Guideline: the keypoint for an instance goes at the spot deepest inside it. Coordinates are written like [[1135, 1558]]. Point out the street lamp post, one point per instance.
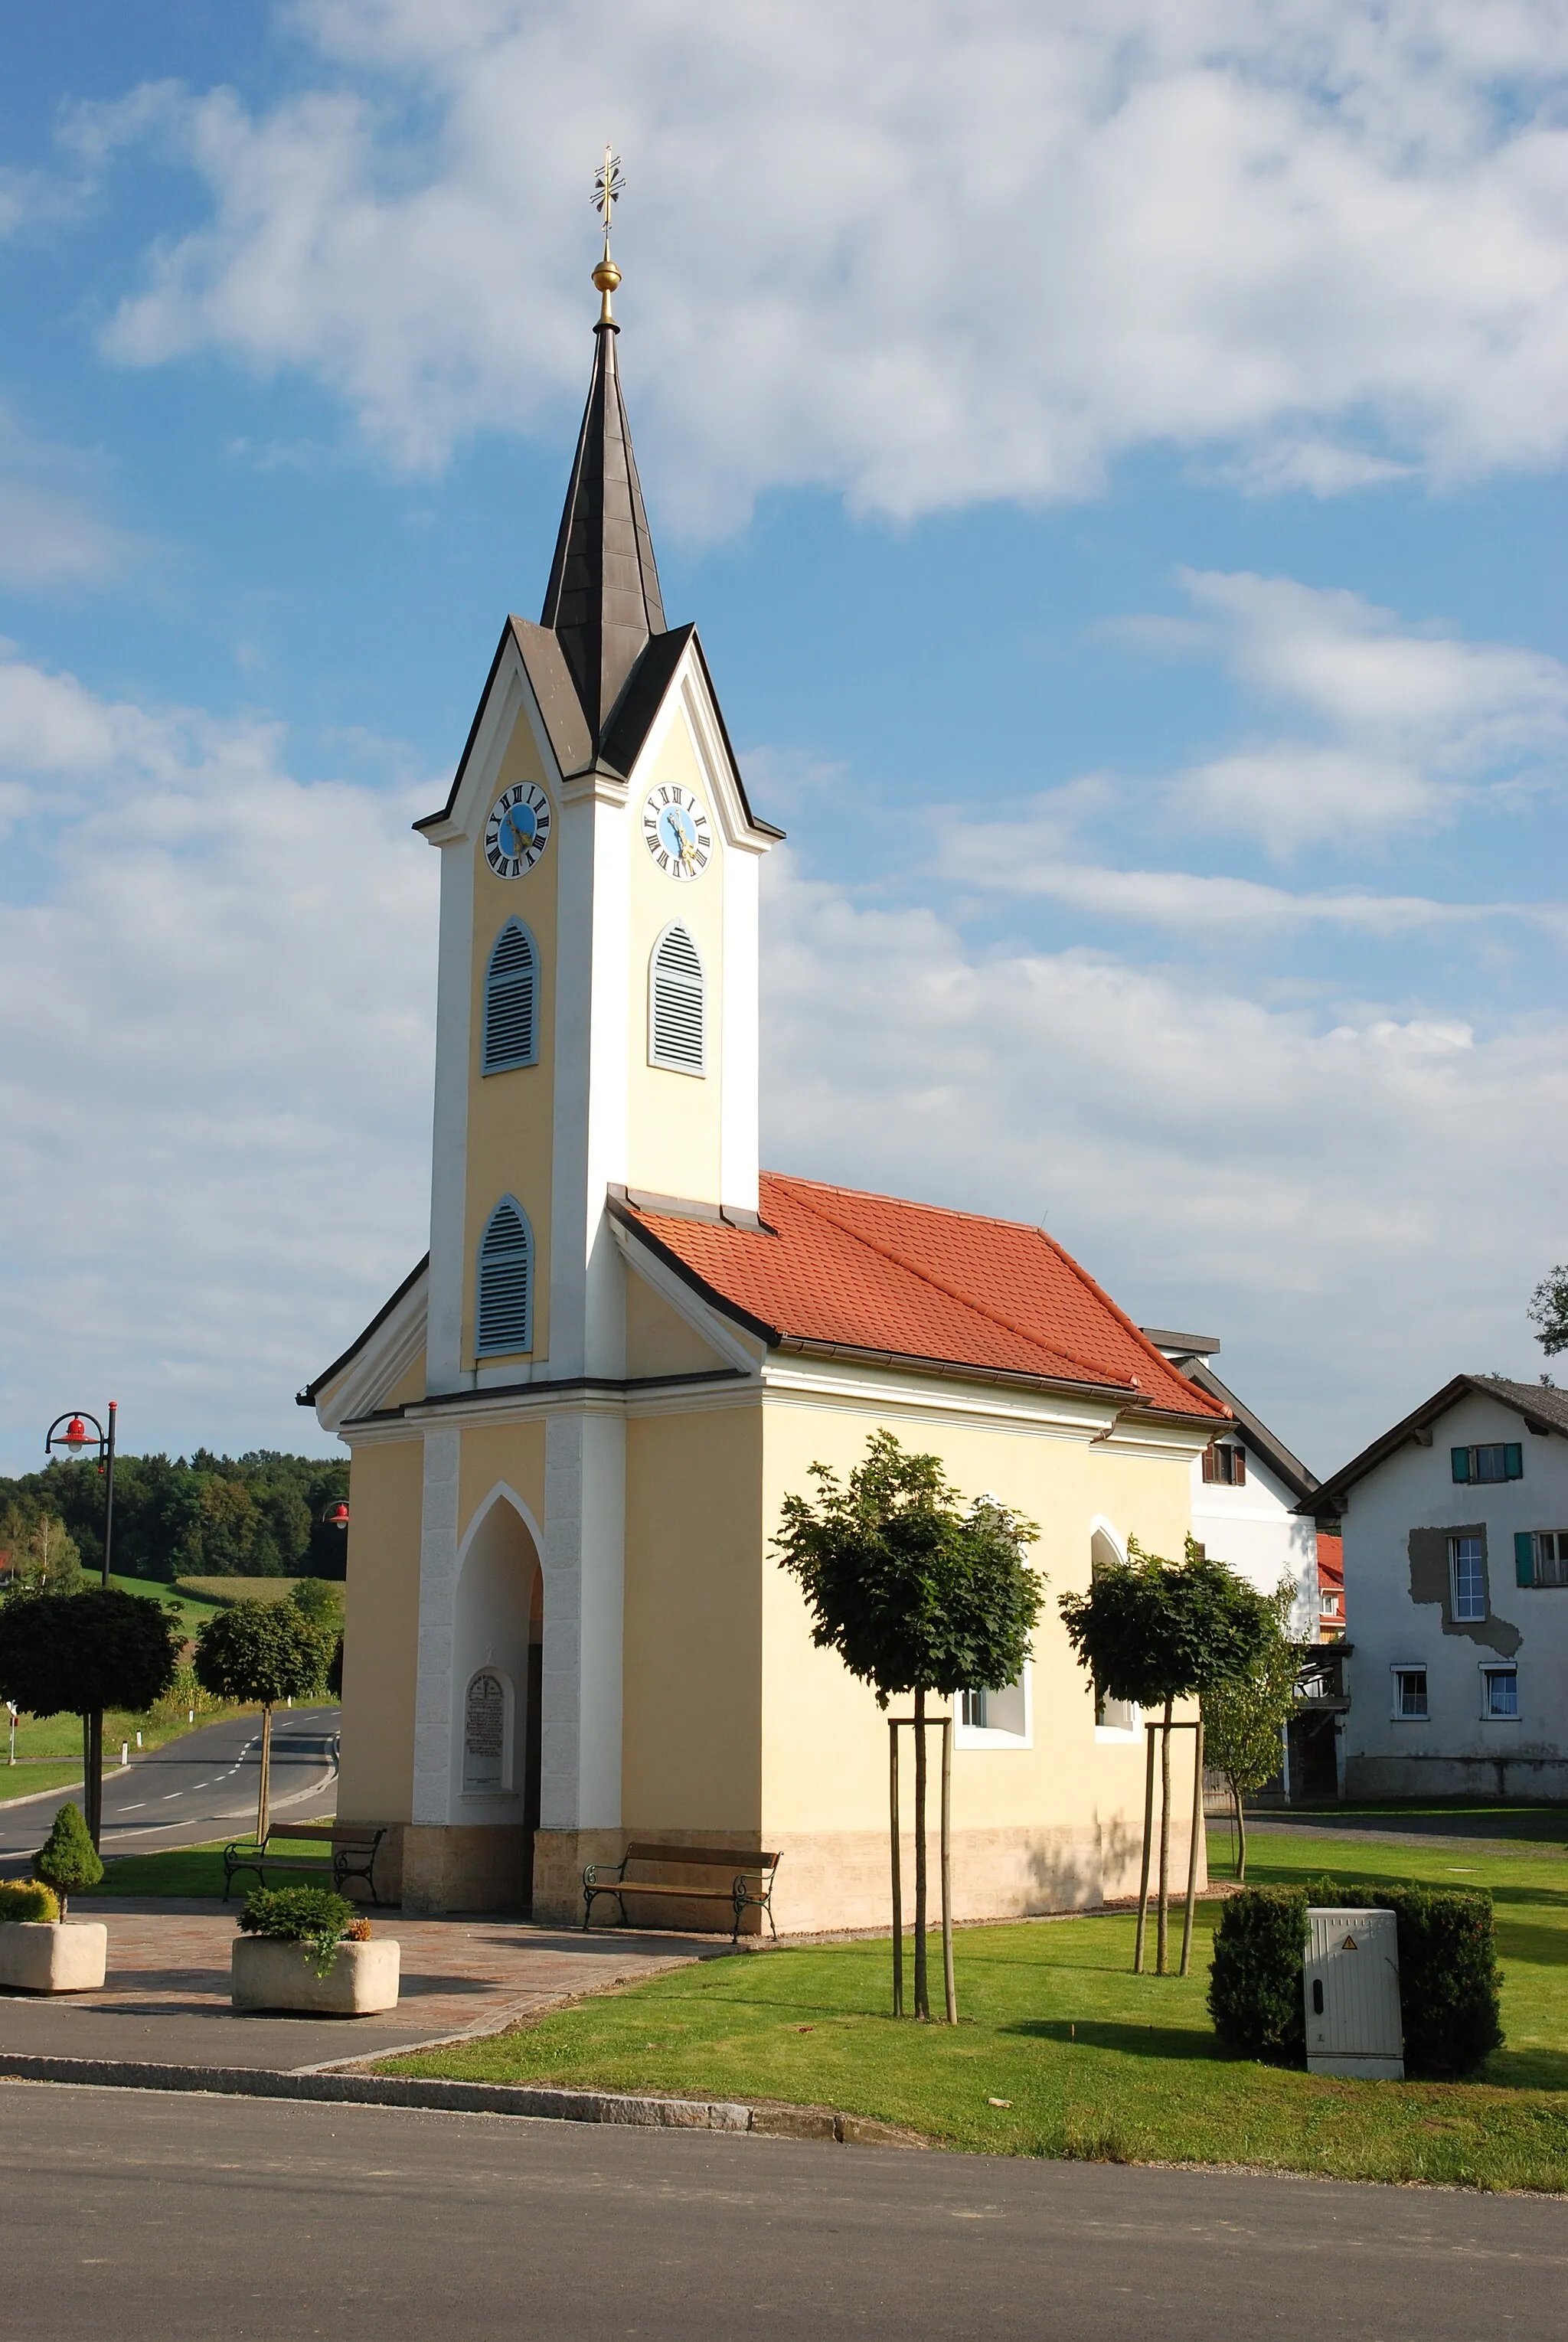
[[69, 1433]]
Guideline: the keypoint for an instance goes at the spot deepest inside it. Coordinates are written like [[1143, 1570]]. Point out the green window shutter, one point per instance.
[[1513, 1460], [1523, 1558], [1460, 1456]]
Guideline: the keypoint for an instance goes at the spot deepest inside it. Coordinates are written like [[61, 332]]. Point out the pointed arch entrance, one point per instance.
[[497, 1680]]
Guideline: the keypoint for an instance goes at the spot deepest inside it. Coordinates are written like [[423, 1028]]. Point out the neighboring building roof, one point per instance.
[[834, 1270], [1330, 1563], [1189, 1353], [1544, 1408]]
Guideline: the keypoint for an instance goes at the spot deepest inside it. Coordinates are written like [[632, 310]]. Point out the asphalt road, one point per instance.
[[200, 1787], [162, 2218]]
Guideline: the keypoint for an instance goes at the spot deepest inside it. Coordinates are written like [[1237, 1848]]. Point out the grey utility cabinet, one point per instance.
[[1351, 1984]]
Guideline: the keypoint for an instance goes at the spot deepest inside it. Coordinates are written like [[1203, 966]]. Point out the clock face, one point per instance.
[[518, 829], [676, 832]]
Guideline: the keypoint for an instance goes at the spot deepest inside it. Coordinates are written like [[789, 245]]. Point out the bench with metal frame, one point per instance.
[[353, 1853], [750, 1888]]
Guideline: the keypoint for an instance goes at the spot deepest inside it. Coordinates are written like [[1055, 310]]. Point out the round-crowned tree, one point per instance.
[[265, 1652], [81, 1653], [1154, 1631], [917, 1593]]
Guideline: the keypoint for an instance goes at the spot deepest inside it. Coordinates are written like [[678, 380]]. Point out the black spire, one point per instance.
[[602, 599]]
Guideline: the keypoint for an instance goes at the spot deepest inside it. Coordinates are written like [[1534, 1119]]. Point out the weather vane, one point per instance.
[[608, 188]]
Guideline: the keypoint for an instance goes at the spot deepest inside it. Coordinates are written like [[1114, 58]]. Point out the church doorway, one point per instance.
[[498, 1692]]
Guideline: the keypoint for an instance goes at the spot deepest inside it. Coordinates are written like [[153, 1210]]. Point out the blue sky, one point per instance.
[[1116, 465]]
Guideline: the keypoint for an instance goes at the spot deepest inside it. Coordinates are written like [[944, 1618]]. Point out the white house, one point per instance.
[[1455, 1526], [1248, 1489]]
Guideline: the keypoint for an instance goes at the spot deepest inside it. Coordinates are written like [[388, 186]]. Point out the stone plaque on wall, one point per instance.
[[484, 1732]]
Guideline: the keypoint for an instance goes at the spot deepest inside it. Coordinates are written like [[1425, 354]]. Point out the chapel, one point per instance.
[[573, 1427]]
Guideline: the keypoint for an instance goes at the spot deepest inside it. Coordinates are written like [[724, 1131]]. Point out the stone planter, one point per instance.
[[270, 1973], [53, 1955]]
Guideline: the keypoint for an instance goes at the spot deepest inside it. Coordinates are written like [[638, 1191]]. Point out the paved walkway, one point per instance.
[[166, 1996]]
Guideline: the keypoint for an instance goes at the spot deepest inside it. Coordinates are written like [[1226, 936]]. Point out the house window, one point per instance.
[[1500, 1695], [995, 1719], [1541, 1556], [1503, 1461], [504, 1315], [511, 1002], [1226, 1464], [1114, 1714], [1409, 1695], [675, 1005], [1467, 1571]]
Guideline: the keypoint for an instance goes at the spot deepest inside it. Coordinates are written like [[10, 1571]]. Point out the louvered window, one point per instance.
[[506, 1301], [512, 1001], [675, 1006]]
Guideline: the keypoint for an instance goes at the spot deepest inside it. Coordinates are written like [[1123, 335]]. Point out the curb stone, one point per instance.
[[536, 2101]]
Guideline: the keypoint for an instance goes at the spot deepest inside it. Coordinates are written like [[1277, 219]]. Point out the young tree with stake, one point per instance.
[[1154, 1631], [263, 1652], [916, 1595], [1245, 1714]]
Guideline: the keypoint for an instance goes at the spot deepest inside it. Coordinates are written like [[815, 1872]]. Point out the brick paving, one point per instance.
[[166, 1994]]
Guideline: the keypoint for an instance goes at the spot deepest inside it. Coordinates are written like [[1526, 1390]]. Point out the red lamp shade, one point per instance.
[[337, 1516], [76, 1436]]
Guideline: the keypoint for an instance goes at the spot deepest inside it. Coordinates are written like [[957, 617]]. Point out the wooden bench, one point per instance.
[[750, 1880], [352, 1856]]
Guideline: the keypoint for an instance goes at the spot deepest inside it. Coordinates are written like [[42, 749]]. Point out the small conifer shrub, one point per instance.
[[66, 1860]]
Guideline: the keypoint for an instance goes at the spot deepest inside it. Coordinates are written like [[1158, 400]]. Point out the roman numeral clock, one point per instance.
[[518, 829], [675, 831]]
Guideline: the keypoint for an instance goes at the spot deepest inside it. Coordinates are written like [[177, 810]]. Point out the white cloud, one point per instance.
[[1214, 1161], [214, 1067], [52, 533], [1413, 724], [923, 253]]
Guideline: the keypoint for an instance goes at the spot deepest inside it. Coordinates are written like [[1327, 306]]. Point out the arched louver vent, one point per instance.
[[675, 1006], [504, 1314], [512, 1001]]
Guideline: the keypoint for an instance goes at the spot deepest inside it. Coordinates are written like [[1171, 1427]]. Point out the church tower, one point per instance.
[[575, 1425]]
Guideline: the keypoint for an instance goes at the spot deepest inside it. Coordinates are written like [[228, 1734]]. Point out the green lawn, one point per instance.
[[196, 1870], [1092, 2061], [1467, 1816], [33, 1778]]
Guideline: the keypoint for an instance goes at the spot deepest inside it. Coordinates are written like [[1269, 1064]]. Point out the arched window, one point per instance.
[[675, 1005], [504, 1316], [511, 1002]]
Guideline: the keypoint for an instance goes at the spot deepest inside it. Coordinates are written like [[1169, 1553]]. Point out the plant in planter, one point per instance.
[[38, 1952], [67, 1860], [304, 1948]]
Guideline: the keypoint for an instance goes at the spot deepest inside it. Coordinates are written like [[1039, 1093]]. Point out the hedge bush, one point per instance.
[[1255, 1981], [27, 1898], [1449, 1981], [1450, 1985]]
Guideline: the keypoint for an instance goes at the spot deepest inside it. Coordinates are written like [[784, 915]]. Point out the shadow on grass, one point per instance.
[[1171, 2041], [1526, 2069]]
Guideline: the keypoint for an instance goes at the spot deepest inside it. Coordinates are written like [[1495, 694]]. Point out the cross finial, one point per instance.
[[608, 188]]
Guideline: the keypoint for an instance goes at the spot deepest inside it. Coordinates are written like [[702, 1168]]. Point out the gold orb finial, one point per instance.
[[608, 187]]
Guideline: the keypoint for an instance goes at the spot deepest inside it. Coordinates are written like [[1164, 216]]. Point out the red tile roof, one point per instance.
[[833, 1267], [1330, 1563]]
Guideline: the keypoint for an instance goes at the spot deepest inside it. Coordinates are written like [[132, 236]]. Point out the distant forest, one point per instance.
[[256, 1516]]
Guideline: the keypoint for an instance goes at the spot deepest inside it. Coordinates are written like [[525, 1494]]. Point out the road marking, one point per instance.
[[136, 1808], [173, 1793]]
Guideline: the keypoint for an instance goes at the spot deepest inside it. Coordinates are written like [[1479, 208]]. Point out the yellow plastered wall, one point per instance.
[[672, 1119], [659, 1341], [381, 1633], [510, 1118], [512, 1454], [824, 1741], [692, 1665]]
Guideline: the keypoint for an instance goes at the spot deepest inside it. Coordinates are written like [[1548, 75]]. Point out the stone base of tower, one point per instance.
[[458, 1868]]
